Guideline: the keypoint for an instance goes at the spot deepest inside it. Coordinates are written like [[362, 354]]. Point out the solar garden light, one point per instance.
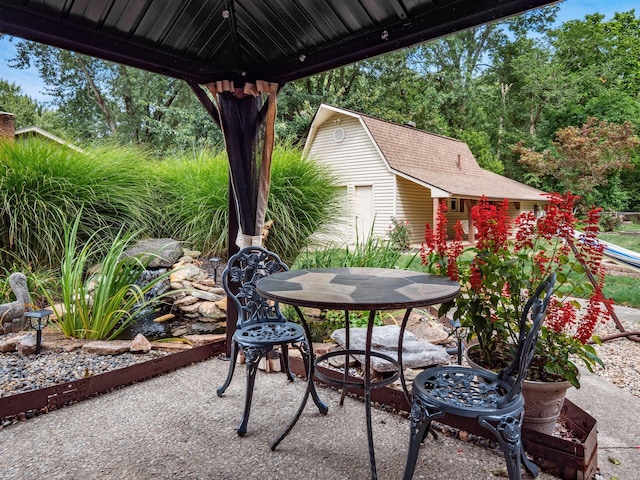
[[215, 261], [38, 320]]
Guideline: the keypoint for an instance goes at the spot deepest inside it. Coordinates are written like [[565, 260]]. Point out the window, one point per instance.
[[456, 205]]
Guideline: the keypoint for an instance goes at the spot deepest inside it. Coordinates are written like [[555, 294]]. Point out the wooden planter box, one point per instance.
[[569, 459]]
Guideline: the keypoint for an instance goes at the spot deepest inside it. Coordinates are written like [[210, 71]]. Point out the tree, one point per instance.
[[386, 87], [26, 111], [600, 60], [102, 100], [587, 161]]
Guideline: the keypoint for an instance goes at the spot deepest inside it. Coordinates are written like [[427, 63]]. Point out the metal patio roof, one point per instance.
[[273, 40]]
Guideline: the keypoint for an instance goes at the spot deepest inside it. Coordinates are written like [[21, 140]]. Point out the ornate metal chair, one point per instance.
[[493, 399], [260, 326]]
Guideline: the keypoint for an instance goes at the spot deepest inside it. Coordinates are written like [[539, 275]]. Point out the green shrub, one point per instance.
[[370, 252], [45, 185], [194, 192], [103, 304], [36, 279], [399, 233], [303, 200], [610, 222]]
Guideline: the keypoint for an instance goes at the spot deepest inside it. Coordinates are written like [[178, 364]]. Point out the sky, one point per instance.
[[33, 86]]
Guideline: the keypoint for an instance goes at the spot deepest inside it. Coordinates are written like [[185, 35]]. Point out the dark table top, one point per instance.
[[357, 288]]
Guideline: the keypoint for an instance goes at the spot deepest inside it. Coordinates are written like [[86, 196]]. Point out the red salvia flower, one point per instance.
[[454, 251], [492, 224], [441, 229]]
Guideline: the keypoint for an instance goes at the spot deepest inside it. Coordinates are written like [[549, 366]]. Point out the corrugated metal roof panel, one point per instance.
[[275, 40]]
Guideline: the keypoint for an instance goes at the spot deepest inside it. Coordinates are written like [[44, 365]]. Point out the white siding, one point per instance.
[[356, 163], [415, 206]]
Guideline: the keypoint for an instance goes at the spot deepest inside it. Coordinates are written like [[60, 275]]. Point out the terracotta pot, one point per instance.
[[542, 400], [542, 404]]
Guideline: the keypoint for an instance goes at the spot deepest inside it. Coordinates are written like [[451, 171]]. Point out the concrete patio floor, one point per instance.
[[174, 426]]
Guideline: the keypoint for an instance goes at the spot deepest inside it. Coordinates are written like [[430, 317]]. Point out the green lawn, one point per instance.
[[630, 242], [623, 290]]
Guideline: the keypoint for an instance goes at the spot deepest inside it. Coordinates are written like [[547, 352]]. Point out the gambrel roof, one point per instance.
[[434, 160]]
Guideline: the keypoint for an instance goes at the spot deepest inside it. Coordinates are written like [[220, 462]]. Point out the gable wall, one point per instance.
[[356, 163]]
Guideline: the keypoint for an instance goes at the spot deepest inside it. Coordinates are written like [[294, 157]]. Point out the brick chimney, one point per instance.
[[7, 125]]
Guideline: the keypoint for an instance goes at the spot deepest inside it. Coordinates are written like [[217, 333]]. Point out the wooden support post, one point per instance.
[[472, 229], [436, 206]]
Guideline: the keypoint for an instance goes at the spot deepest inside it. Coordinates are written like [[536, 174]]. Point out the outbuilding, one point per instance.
[[389, 171]]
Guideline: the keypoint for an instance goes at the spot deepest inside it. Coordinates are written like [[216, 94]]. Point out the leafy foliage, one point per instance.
[[501, 272], [586, 160], [100, 306], [98, 100]]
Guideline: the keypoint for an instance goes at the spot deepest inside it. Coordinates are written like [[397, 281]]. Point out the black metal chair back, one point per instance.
[[241, 275], [529, 326], [261, 327]]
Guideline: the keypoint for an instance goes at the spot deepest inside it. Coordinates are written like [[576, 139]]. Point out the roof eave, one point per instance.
[[31, 24], [386, 38], [36, 25]]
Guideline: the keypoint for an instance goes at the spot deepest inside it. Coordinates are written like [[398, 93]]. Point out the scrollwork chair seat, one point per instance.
[[260, 326], [494, 399]]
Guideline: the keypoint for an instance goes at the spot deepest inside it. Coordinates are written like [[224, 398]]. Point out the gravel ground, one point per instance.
[[21, 374], [621, 357]]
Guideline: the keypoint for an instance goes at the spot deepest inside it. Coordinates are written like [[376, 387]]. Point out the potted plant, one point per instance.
[[510, 259]]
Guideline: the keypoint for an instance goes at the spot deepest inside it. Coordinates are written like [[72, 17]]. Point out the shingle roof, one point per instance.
[[442, 162]]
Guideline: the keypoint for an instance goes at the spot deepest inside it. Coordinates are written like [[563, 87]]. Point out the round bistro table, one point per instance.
[[349, 289]]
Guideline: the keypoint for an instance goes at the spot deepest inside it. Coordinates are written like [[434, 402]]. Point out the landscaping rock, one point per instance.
[[208, 296], [26, 344], [415, 353], [191, 308], [104, 347], [171, 347], [187, 271], [9, 345], [165, 251], [199, 340], [184, 301], [210, 310], [222, 304], [199, 328], [62, 345], [140, 344]]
